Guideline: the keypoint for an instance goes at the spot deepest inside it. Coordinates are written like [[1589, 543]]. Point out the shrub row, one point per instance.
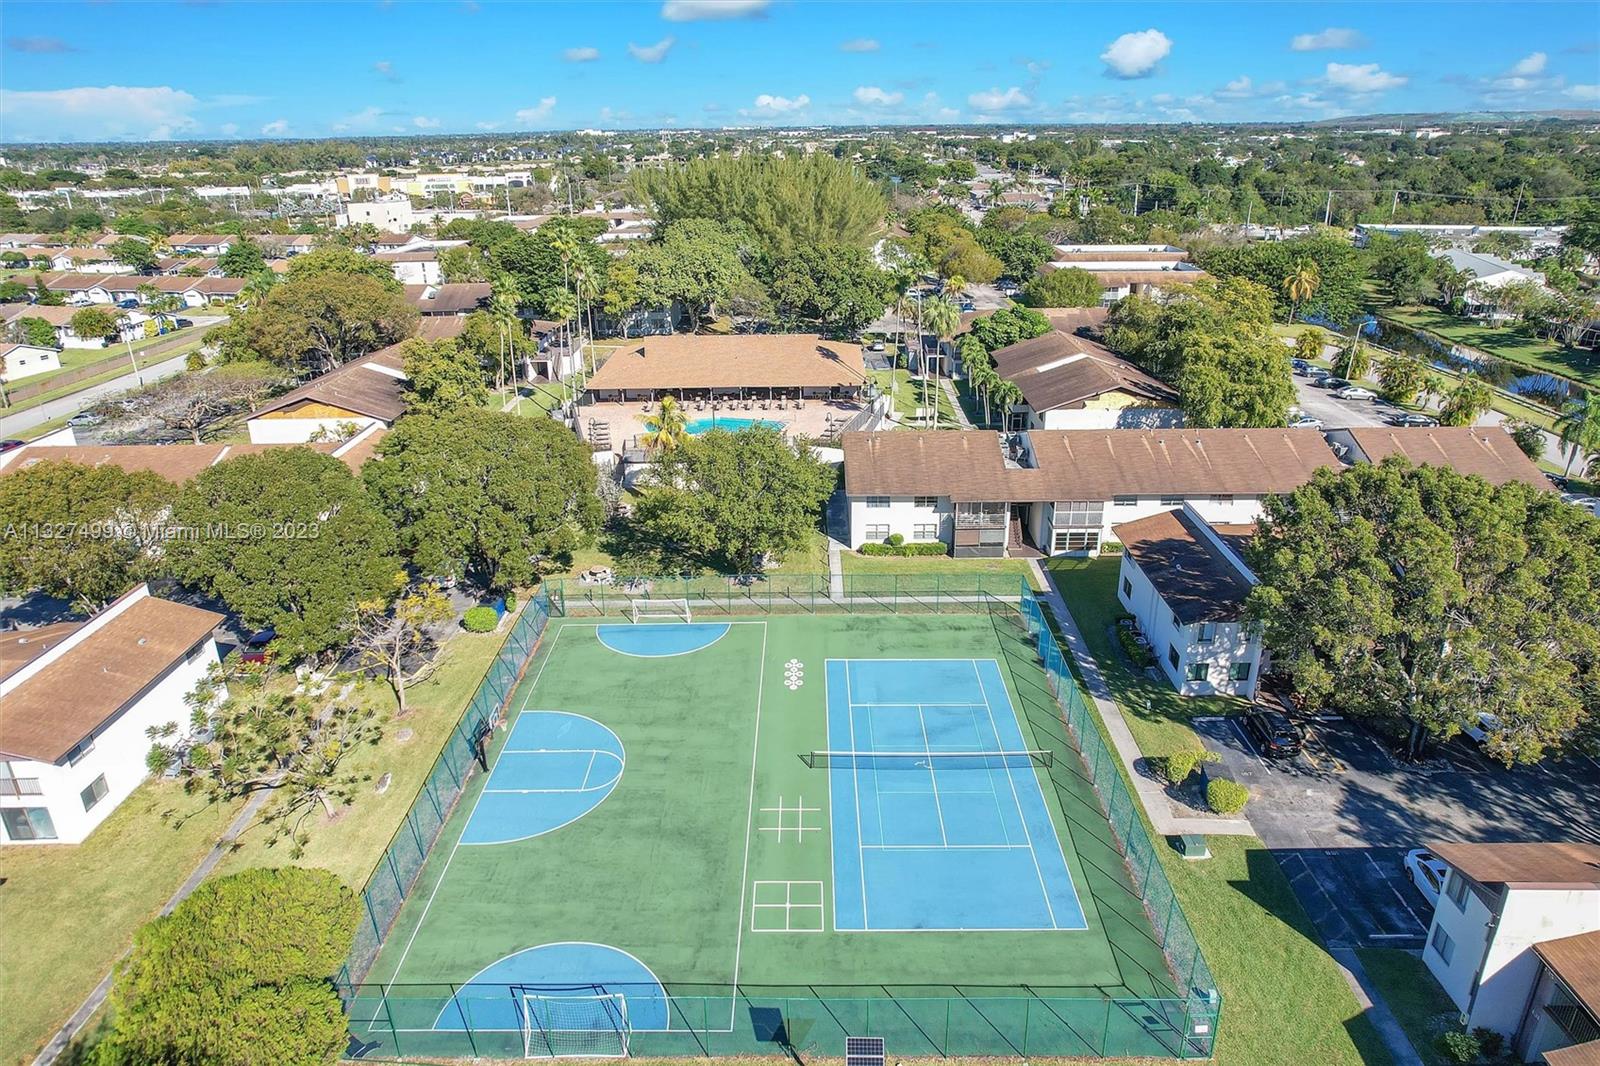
[[932, 547]]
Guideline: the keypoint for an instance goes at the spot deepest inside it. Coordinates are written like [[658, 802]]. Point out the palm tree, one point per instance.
[[503, 309], [942, 319], [982, 377], [561, 306], [952, 286], [1579, 428], [1006, 393], [1301, 283], [668, 429]]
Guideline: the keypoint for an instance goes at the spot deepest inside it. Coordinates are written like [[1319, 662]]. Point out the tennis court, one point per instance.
[[768, 833]]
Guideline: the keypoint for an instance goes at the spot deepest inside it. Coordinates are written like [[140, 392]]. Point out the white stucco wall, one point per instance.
[[902, 516], [1231, 642], [302, 430]]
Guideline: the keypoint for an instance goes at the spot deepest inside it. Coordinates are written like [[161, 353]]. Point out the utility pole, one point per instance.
[[1135, 199], [1394, 204], [1327, 212], [1516, 211]]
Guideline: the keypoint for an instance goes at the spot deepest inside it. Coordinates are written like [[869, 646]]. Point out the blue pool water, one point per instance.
[[704, 425]]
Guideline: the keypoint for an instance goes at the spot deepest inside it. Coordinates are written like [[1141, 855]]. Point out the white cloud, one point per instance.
[[39, 45], [770, 106], [107, 111], [1135, 55], [1363, 78], [386, 70], [859, 44], [423, 122], [366, 118], [581, 55], [703, 10], [651, 53], [527, 116], [487, 125], [276, 128], [1529, 65], [946, 113], [997, 100], [872, 96], [230, 128], [1584, 92], [1328, 39], [1239, 88]]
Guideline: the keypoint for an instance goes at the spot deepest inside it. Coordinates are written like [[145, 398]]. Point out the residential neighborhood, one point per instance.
[[528, 536]]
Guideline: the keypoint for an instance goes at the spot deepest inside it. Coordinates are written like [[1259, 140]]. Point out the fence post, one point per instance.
[[1027, 1013]]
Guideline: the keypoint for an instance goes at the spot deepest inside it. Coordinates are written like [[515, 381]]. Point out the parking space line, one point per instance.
[[1384, 877], [1248, 743]]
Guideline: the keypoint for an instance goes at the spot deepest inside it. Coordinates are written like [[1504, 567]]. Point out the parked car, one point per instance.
[[1412, 420], [256, 645], [1354, 392], [1332, 381], [1273, 732], [128, 304], [1480, 729], [1428, 872], [1305, 422], [182, 323], [84, 419], [1300, 366], [8, 445], [1558, 481], [1580, 499]]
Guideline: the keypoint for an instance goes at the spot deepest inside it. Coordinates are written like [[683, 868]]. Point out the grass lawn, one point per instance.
[[1423, 1009], [908, 396], [852, 563], [115, 368], [351, 842], [1156, 714], [1503, 342], [70, 910]]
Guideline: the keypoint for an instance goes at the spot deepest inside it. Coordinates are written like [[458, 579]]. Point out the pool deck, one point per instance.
[[627, 420]]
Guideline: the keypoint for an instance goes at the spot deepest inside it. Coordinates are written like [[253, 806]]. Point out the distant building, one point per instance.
[[1128, 269], [26, 360], [1072, 382]]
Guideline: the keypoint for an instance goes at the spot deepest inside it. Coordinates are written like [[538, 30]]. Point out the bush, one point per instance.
[[932, 547], [1460, 1047], [1226, 797], [1490, 1042], [1137, 653], [511, 602], [1111, 547], [480, 620], [894, 540], [1177, 767]]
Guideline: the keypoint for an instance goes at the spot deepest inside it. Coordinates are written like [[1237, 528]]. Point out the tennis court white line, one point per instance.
[[405, 953], [947, 847], [994, 730], [933, 778], [749, 823], [855, 784]]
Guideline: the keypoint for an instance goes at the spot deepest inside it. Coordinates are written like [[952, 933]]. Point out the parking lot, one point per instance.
[[1341, 815]]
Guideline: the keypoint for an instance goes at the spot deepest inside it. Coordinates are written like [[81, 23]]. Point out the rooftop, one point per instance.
[[1097, 464], [966, 465], [1576, 960], [1061, 370], [760, 360], [1197, 582], [367, 386], [1488, 452], [1531, 865]]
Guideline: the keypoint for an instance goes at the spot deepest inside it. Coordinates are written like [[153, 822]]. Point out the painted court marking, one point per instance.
[[798, 824], [786, 907]]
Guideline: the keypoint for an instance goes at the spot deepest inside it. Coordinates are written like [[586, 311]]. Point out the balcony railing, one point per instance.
[[20, 786]]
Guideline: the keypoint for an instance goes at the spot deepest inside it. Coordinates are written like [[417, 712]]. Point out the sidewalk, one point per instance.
[[1151, 794]]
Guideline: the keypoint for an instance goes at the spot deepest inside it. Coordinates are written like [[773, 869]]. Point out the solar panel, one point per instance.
[[863, 1051]]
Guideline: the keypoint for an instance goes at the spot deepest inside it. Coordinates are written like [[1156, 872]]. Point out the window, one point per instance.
[[1127, 587], [877, 503], [930, 502], [1172, 501], [877, 533], [94, 793], [1175, 623], [1080, 514], [79, 750], [1443, 946], [1207, 632], [1076, 540], [1457, 891], [1172, 656], [28, 823], [925, 531], [1197, 672], [1124, 501], [1221, 498], [1240, 671]]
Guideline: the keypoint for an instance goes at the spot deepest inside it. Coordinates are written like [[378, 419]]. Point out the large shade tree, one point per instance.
[[318, 321], [1425, 600]]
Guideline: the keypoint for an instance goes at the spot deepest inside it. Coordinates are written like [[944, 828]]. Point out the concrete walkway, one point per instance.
[[1151, 793], [949, 388], [1372, 1004]]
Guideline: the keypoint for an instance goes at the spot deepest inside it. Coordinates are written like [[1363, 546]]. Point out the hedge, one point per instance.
[[1177, 767], [1226, 797], [480, 620], [920, 548]]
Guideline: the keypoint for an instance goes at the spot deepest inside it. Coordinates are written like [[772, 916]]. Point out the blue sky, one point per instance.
[[140, 70]]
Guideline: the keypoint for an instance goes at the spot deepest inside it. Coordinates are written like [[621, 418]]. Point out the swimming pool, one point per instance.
[[702, 425]]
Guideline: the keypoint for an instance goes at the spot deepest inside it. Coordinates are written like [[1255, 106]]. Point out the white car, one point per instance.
[[1305, 422], [1428, 872], [1354, 392], [1480, 730]]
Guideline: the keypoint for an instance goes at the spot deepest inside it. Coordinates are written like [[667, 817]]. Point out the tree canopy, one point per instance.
[[697, 261], [1424, 599], [1072, 287], [838, 286], [287, 538], [222, 979], [316, 321], [1336, 296], [485, 496], [442, 376]]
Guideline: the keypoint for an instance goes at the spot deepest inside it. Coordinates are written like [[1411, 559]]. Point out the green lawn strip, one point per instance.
[[118, 369], [908, 395], [351, 842], [69, 911], [1502, 342], [944, 565], [1422, 1008]]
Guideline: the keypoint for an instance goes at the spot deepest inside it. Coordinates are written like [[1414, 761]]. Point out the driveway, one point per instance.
[[1342, 814]]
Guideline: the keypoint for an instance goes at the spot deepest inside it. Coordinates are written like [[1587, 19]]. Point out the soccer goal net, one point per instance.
[[575, 1027], [659, 610]]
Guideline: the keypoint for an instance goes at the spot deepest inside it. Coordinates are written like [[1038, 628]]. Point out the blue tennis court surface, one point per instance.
[[924, 841]]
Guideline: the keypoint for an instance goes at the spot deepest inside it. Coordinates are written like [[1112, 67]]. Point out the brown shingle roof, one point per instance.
[[1060, 370], [175, 462], [1097, 464], [965, 465], [356, 387], [69, 698], [1550, 864], [1576, 960], [441, 327], [21, 647], [449, 299], [55, 314], [1197, 582], [763, 360], [1576, 1055], [1488, 452]]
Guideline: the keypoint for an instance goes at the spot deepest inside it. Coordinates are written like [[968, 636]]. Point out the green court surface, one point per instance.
[[649, 838]]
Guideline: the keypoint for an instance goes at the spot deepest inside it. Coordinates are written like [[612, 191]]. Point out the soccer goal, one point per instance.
[[575, 1027], [660, 610]]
